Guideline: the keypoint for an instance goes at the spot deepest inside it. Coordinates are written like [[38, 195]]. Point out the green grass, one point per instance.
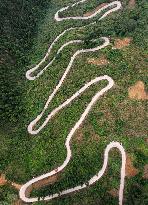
[[114, 117]]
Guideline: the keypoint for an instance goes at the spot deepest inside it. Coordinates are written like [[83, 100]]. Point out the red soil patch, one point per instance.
[[3, 181], [121, 43], [98, 61], [130, 170], [137, 91], [95, 10], [145, 174]]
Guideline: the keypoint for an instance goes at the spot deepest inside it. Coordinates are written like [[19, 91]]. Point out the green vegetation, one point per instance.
[[28, 28]]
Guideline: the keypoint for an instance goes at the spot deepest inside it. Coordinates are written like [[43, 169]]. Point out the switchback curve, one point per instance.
[[31, 126]]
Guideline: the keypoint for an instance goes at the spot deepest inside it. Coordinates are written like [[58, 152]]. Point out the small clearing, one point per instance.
[[98, 61], [137, 91], [16, 186], [114, 192], [121, 43], [130, 170], [4, 181], [131, 4]]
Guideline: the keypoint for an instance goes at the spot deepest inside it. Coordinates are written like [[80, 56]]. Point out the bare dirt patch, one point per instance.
[[114, 192], [130, 170], [98, 61], [18, 202], [42, 183], [95, 137], [45, 182], [146, 140], [79, 135], [16, 186], [145, 174], [131, 4], [121, 43], [89, 13], [137, 91], [3, 181]]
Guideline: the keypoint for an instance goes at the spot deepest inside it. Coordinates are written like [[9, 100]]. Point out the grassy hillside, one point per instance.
[[28, 27]]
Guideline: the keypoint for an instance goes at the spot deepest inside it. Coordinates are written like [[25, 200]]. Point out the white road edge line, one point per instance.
[[94, 99]]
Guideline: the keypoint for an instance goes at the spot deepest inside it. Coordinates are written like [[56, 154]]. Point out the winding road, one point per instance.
[[114, 6]]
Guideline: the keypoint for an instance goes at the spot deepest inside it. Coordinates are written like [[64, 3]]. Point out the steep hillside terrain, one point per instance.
[[28, 28]]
